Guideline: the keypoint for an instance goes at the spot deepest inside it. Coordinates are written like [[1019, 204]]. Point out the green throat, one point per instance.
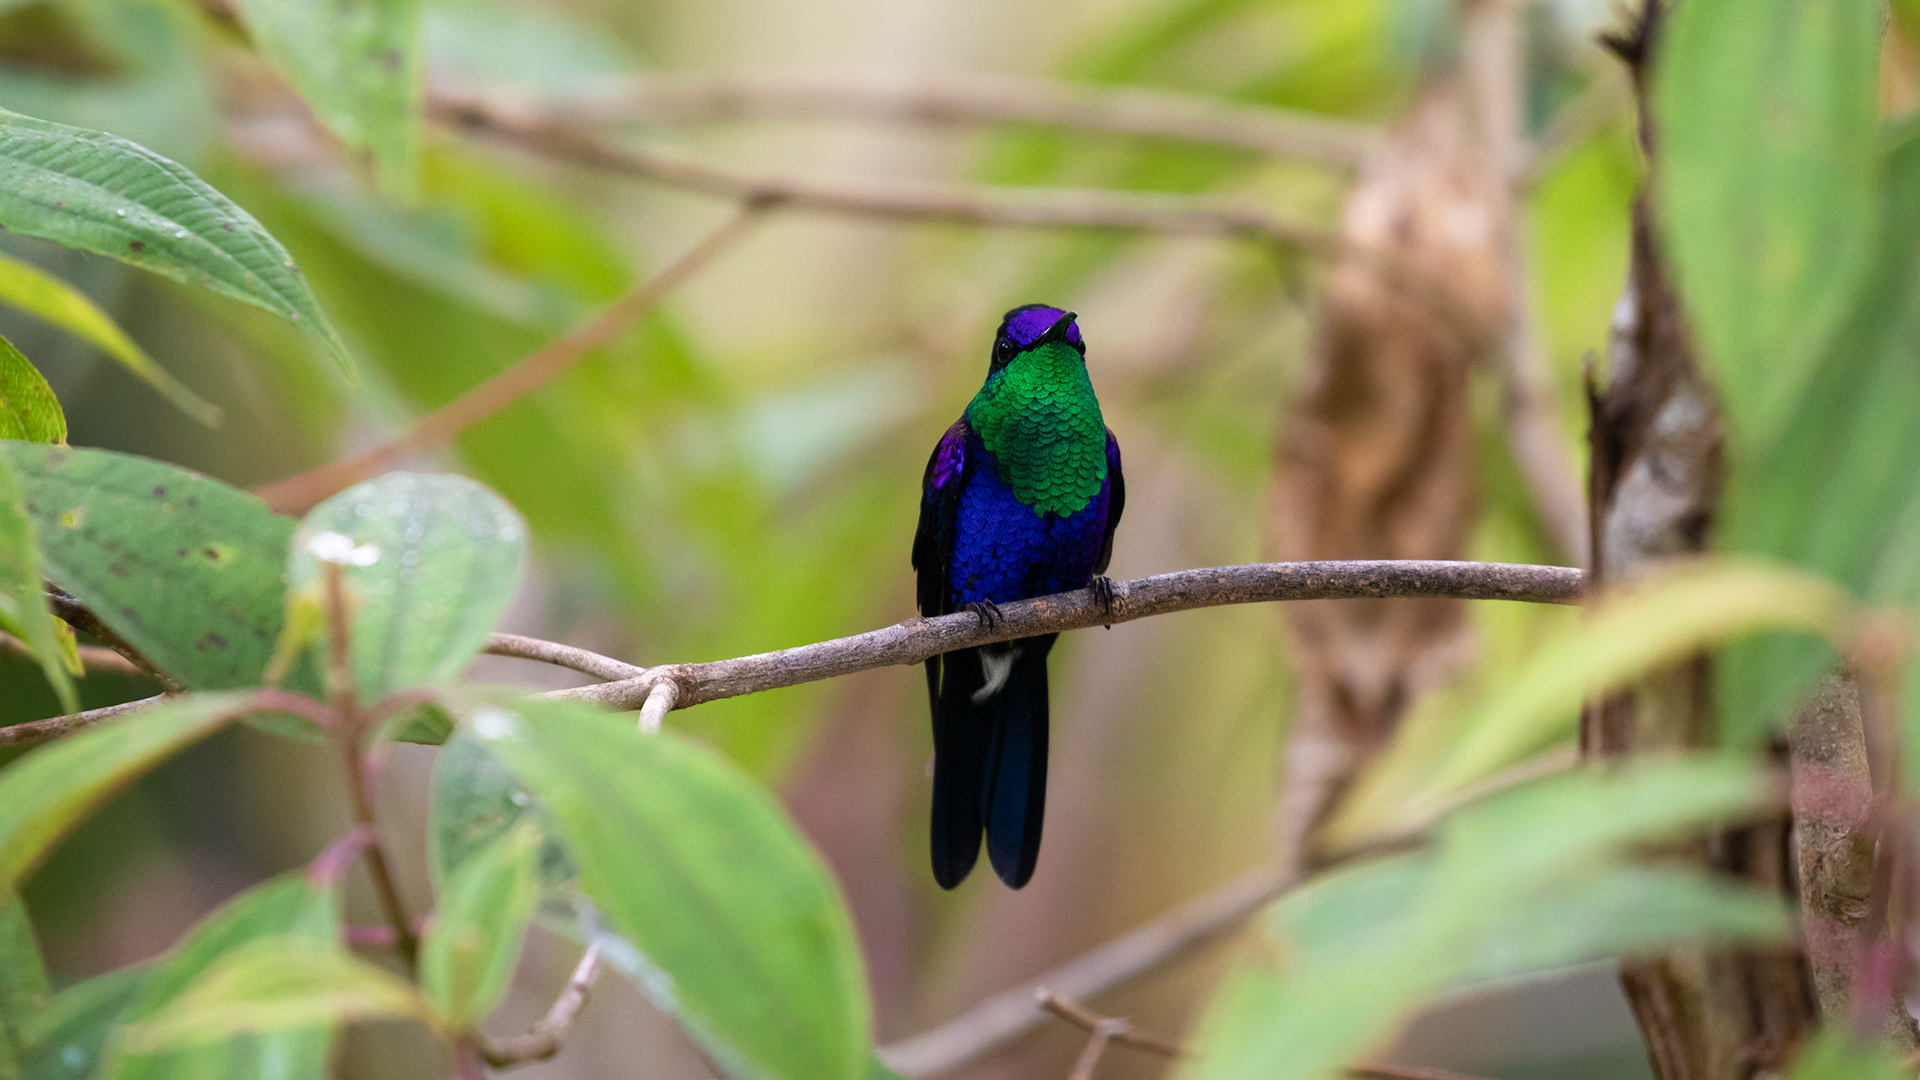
[[1039, 419]]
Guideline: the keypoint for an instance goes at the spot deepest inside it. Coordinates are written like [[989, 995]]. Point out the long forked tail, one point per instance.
[[989, 758]]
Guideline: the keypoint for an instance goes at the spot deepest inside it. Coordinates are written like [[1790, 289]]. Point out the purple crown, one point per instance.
[[1024, 325]]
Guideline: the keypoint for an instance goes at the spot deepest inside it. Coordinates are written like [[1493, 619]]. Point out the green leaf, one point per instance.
[[475, 801], [1537, 877], [44, 794], [23, 598], [1838, 1054], [1455, 743], [185, 568], [1768, 122], [100, 193], [274, 985], [288, 907], [430, 563], [740, 930], [23, 982], [67, 1038], [28, 410], [34, 291], [358, 64], [479, 927]]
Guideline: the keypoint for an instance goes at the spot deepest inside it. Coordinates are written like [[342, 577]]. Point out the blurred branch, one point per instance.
[[983, 98], [297, 493], [566, 656], [92, 657], [1105, 1030], [1010, 1014], [914, 640], [35, 732], [972, 204], [542, 1040], [1404, 1072]]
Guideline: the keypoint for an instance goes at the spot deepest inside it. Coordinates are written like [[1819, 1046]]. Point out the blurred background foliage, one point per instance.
[[740, 472]]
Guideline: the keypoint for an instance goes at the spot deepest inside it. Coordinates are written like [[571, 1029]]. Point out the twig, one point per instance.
[[1012, 1013], [92, 657], [542, 1040], [566, 656], [969, 204], [35, 732], [1120, 1030], [914, 640], [982, 98], [1405, 1072], [75, 614], [343, 695], [300, 492]]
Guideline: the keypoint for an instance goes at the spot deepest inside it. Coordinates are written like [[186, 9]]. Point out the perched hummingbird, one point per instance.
[[1020, 500]]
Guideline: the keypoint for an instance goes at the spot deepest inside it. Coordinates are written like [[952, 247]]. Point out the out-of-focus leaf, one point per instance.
[[28, 410], [1769, 179], [1357, 951], [479, 927], [1838, 1054], [1452, 744], [430, 563], [99, 193], [23, 982], [23, 597], [187, 569], [68, 1036], [273, 985], [357, 63], [739, 928], [46, 793], [40, 294], [476, 800], [286, 907], [1837, 492]]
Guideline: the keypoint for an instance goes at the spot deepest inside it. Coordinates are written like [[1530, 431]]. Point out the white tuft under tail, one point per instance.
[[997, 666]]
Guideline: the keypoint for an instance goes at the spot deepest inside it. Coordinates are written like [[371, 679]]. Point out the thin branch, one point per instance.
[[1012, 1013], [1405, 1072], [35, 732], [298, 493], [75, 614], [566, 656], [982, 98], [542, 1040], [914, 640], [1120, 1030], [970, 204], [92, 657]]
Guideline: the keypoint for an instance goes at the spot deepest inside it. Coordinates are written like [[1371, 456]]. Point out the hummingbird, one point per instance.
[[1020, 499]]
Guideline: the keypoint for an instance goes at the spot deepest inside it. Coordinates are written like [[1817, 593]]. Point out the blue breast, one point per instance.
[[1002, 550]]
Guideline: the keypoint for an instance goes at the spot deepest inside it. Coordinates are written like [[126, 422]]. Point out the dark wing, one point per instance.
[[1116, 500], [940, 491]]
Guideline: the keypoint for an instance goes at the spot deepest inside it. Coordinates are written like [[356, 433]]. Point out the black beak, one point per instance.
[[1058, 331]]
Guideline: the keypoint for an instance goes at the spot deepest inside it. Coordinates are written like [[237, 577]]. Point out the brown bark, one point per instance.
[[1706, 1014], [1377, 456]]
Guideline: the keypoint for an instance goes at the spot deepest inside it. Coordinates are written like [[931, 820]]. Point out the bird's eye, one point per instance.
[[1003, 350]]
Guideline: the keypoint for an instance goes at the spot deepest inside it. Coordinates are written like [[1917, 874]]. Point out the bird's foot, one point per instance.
[[986, 611], [1102, 589]]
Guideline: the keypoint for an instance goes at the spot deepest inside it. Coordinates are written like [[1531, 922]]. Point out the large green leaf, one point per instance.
[[68, 1037], [185, 568], [23, 599], [28, 410], [288, 906], [1838, 491], [273, 986], [32, 290], [23, 983], [477, 800], [52, 789], [1769, 185], [479, 926], [1359, 950], [740, 929], [100, 193], [359, 65], [430, 562]]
